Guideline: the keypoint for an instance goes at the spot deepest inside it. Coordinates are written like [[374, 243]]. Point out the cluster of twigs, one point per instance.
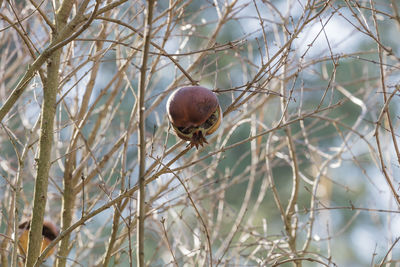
[[310, 127]]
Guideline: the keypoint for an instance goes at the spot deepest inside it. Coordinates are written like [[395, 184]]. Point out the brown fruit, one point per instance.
[[194, 112], [49, 233]]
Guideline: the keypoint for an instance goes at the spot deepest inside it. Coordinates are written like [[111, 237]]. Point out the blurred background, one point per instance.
[[303, 171]]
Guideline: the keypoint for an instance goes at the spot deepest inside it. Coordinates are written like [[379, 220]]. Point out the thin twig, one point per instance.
[[142, 136]]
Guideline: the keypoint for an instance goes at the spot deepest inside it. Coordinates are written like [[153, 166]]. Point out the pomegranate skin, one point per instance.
[[194, 112], [49, 233], [191, 106]]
